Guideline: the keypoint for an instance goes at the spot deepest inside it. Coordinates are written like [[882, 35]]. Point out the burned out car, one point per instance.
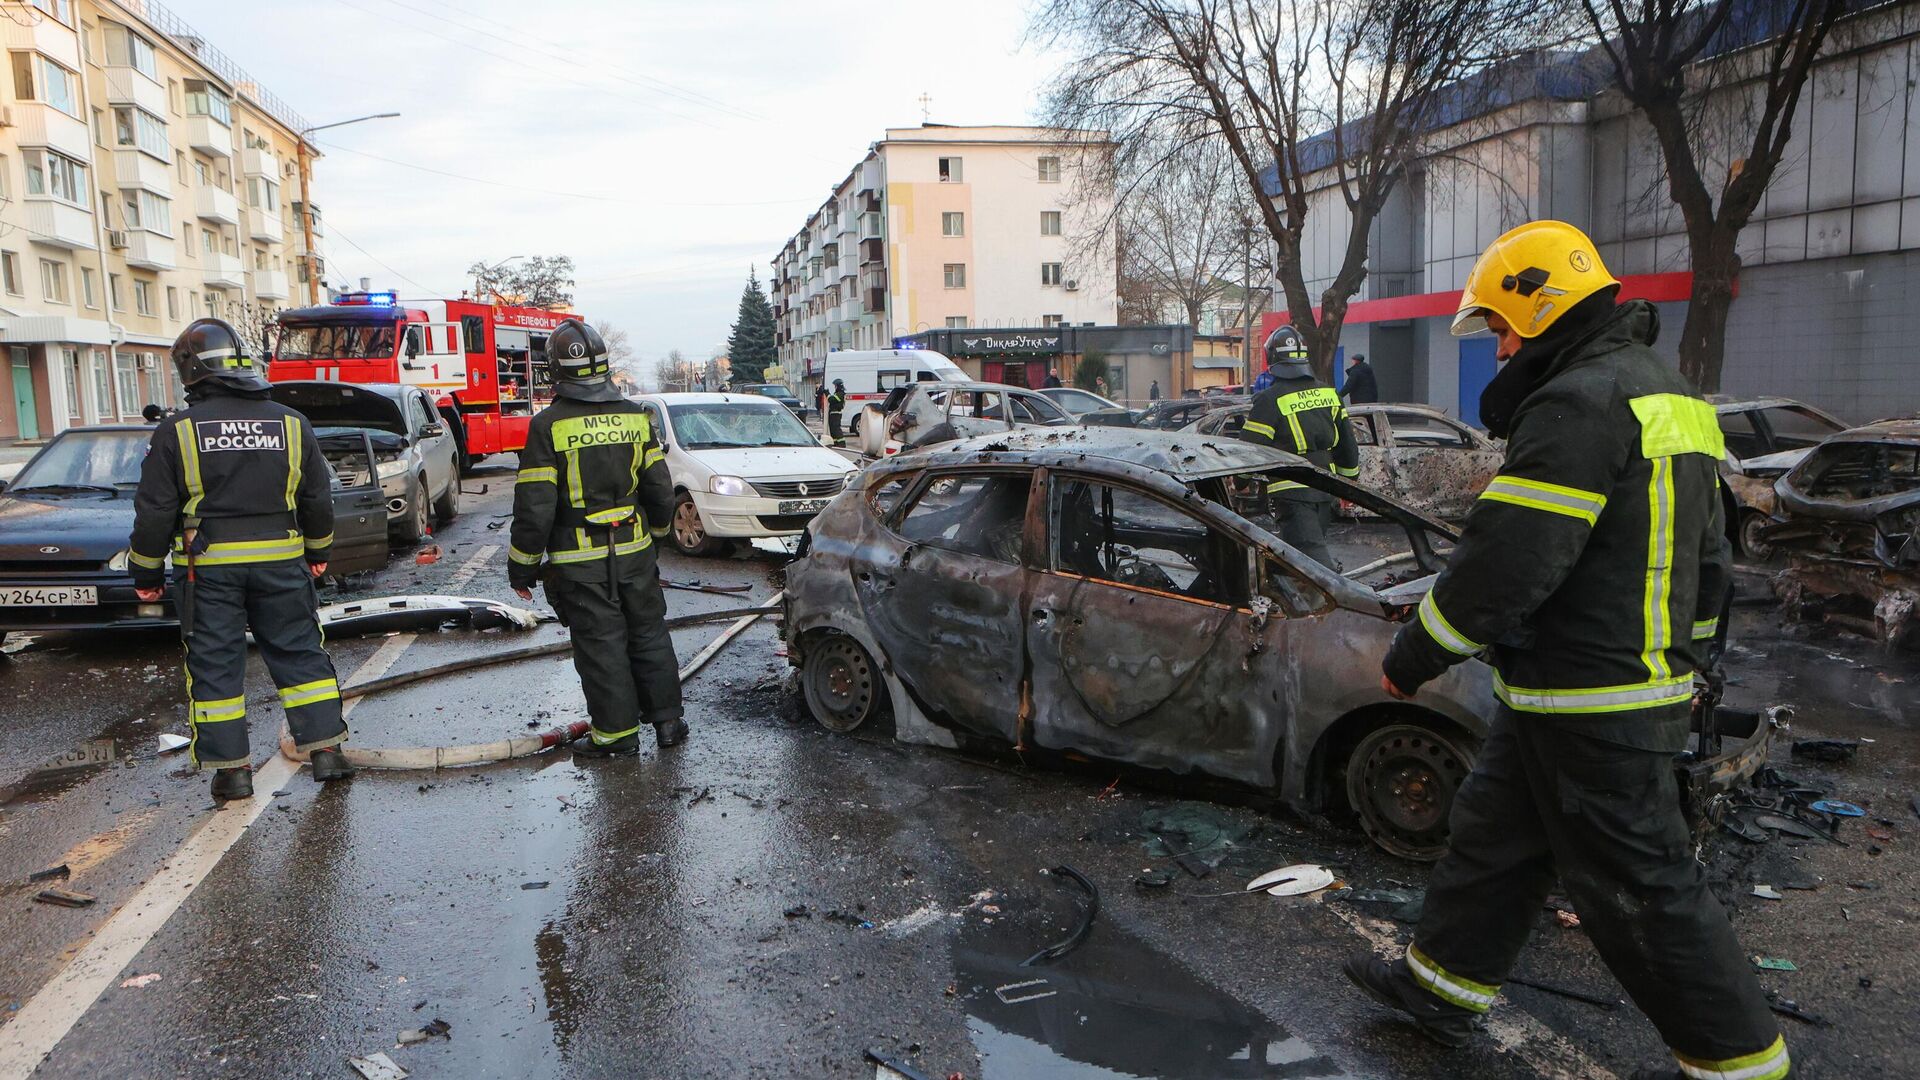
[[1415, 453], [1851, 533], [922, 414], [1765, 438], [1110, 594]]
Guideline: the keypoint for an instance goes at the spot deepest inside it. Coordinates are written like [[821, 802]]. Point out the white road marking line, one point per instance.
[[732, 631], [1514, 1031], [52, 1011], [475, 563]]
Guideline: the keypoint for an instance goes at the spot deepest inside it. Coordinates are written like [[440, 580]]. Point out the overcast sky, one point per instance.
[[666, 146]]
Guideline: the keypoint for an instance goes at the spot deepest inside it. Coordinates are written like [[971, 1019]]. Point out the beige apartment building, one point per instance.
[[145, 181], [948, 227]]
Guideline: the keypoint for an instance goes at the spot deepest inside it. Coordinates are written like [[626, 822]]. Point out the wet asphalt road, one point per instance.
[[773, 900]]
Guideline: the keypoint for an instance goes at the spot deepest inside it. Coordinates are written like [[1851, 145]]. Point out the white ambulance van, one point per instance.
[[870, 373]]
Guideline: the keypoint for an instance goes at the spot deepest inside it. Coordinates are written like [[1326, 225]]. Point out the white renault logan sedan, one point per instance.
[[742, 467]]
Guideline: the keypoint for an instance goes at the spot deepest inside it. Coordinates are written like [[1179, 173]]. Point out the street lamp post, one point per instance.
[[307, 260], [485, 277]]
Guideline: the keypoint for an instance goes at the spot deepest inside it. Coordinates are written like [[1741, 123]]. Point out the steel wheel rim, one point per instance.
[[1405, 788], [843, 685]]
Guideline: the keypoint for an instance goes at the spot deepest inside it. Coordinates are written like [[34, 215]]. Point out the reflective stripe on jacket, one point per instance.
[[1304, 416], [593, 482]]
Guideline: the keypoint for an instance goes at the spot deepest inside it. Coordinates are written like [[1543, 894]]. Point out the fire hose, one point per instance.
[[441, 757]]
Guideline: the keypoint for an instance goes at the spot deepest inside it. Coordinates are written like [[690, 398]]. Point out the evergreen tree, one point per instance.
[[750, 343]]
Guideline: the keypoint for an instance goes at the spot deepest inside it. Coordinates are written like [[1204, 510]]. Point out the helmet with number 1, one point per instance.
[[1530, 276], [581, 369], [211, 350], [1287, 354]]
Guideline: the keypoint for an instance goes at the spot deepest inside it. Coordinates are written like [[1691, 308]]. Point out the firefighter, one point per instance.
[[237, 489], [592, 496], [1590, 574], [836, 404], [1299, 413]]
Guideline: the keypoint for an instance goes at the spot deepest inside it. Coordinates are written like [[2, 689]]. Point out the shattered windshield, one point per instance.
[[737, 425], [337, 341]]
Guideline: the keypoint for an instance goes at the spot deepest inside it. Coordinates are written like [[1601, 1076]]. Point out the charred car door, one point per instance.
[[942, 596], [359, 512], [1439, 465], [1145, 645]]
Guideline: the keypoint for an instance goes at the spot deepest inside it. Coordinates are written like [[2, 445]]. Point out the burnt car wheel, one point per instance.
[[1752, 522], [842, 686], [1401, 780]]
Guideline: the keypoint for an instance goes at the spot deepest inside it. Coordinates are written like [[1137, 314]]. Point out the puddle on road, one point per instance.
[[1114, 1008], [62, 774]]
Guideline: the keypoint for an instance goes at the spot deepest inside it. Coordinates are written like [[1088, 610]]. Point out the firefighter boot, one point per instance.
[[329, 764], [236, 783], [624, 746], [1391, 985], [671, 733]]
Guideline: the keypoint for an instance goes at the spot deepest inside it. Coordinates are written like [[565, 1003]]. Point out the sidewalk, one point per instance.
[[13, 457]]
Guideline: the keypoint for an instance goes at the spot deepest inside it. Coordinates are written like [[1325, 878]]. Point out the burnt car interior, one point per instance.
[[1128, 537], [974, 515], [1864, 470]]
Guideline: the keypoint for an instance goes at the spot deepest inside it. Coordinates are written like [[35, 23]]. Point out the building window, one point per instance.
[[1049, 223], [208, 100], [143, 296], [953, 223], [57, 175], [89, 288], [173, 302], [70, 374], [200, 170], [1052, 321], [10, 272], [213, 305], [263, 194], [145, 210], [206, 242], [173, 95], [116, 297], [86, 41], [59, 9], [1050, 274], [102, 384], [53, 281], [36, 78], [956, 275], [956, 322], [99, 128], [128, 49], [950, 170], [6, 178], [140, 128], [1049, 170], [180, 159], [126, 377]]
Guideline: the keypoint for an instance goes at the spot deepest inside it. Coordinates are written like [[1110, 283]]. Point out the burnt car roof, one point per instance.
[[1182, 455], [1900, 429]]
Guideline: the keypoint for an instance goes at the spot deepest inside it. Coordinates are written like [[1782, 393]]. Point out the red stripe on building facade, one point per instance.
[[1659, 288]]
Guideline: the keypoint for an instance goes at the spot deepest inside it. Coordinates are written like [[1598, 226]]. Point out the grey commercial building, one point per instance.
[[1829, 290]]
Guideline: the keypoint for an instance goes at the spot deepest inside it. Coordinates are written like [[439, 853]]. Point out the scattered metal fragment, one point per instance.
[[1835, 806], [895, 1065], [377, 1067], [526, 886], [50, 873], [384, 614], [798, 911], [1296, 880], [1079, 935], [64, 898], [1826, 750], [699, 586], [1767, 892], [1563, 991], [1792, 1008], [1153, 879], [432, 1029], [1790, 826], [169, 742]]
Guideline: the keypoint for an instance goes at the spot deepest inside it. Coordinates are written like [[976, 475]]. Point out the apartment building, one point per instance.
[[949, 227], [145, 181]]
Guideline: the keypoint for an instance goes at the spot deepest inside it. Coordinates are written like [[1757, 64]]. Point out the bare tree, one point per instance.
[[675, 372], [620, 354], [1180, 235], [543, 281], [1656, 47], [1320, 104]]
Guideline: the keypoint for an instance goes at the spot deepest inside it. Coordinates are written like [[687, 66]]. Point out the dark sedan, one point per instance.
[[64, 522], [779, 393]]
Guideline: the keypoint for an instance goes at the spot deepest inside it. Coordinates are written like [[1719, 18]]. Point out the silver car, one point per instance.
[[418, 459]]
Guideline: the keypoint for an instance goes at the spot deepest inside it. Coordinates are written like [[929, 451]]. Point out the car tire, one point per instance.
[[1401, 781], [414, 526], [842, 684], [688, 533], [1751, 522], [447, 506]]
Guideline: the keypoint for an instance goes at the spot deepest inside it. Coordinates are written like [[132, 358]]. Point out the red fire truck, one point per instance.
[[485, 364]]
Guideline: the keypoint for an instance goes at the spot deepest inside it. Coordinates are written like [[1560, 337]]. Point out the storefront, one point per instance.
[[1130, 360]]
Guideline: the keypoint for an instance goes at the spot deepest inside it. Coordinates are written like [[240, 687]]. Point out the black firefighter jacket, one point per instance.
[[1304, 415], [245, 473], [593, 481], [1594, 564]]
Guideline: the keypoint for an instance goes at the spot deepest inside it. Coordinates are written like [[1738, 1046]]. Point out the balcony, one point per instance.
[[876, 300], [60, 224], [873, 251], [131, 86], [257, 162], [870, 226], [265, 226], [39, 34], [221, 270], [36, 124], [150, 251], [319, 221], [209, 136], [212, 204], [270, 284], [134, 169]]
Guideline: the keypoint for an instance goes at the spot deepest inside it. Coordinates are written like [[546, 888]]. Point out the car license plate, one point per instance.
[[48, 596], [803, 506]]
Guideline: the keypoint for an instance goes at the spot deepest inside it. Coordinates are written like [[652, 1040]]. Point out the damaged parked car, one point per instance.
[[418, 460], [922, 414], [1851, 533], [1101, 593], [1765, 438], [1415, 453]]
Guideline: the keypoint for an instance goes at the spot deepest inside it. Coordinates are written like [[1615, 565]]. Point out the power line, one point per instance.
[[384, 266]]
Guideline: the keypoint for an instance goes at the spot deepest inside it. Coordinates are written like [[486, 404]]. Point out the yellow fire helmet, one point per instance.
[[1531, 276]]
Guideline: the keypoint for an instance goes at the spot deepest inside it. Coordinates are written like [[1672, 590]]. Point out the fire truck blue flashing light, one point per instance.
[[368, 299]]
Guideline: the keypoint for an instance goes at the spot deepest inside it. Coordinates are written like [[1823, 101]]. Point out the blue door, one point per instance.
[[1477, 368], [25, 409], [1339, 367]]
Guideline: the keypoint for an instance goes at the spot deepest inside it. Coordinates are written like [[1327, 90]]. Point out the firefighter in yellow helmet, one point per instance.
[[1591, 575]]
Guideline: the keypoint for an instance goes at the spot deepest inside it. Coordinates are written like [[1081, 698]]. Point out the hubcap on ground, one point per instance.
[[842, 689], [1402, 780]]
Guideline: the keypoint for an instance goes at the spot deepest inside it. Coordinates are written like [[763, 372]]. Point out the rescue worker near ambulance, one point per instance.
[[236, 488], [1300, 414], [1590, 574], [836, 405], [592, 496]]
